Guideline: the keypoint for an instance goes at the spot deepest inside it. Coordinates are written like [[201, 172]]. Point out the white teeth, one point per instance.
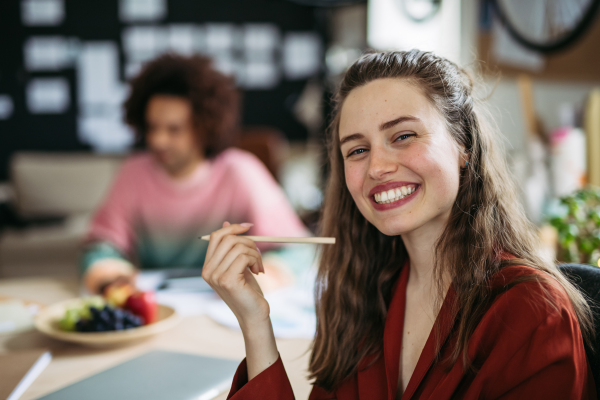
[[393, 195]]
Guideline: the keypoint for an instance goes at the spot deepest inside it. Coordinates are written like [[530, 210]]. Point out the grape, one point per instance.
[[94, 315]]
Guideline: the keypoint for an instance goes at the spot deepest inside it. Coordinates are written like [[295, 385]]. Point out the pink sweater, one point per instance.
[[156, 221]]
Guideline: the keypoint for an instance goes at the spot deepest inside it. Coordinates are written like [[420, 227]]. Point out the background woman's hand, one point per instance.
[[229, 266]]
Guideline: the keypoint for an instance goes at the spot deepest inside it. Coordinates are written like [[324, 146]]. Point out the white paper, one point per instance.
[[6, 106], [508, 52], [98, 75], [48, 53], [48, 96], [42, 12], [132, 69], [105, 133], [187, 303], [220, 37], [292, 313], [181, 39], [260, 75], [226, 64], [142, 10], [101, 95], [301, 54], [200, 39], [144, 43], [261, 41]]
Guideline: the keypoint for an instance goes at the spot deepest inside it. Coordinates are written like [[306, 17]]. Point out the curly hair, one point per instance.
[[213, 97]]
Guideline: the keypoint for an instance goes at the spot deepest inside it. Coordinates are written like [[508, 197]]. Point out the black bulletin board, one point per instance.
[[89, 20]]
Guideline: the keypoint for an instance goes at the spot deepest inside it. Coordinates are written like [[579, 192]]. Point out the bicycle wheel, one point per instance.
[[546, 26]]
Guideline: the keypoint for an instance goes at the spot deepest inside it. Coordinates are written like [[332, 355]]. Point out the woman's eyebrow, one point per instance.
[[382, 127], [404, 118], [349, 138]]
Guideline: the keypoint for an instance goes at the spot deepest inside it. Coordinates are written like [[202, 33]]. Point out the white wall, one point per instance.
[[389, 29]]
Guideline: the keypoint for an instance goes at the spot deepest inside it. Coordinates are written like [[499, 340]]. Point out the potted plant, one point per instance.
[[577, 221]]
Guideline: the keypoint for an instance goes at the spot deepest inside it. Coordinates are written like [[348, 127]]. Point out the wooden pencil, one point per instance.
[[279, 239]]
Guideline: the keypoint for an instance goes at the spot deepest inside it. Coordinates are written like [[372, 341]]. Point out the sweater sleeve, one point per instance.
[[534, 349], [111, 233], [266, 205], [271, 384]]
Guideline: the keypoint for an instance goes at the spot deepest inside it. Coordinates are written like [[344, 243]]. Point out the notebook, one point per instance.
[[155, 375], [19, 369]]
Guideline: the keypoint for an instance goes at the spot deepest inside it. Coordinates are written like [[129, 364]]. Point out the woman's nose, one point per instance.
[[381, 164]]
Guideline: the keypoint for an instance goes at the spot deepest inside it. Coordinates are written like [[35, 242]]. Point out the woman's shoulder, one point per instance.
[[241, 165], [529, 295], [237, 158], [136, 165]]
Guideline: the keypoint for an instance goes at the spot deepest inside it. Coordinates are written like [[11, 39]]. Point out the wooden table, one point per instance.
[[71, 363]]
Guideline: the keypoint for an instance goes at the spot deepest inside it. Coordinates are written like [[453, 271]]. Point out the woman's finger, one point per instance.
[[236, 250], [229, 249], [217, 236], [227, 243], [230, 278]]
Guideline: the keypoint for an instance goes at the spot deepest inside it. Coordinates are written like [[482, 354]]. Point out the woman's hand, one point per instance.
[[106, 271], [230, 262]]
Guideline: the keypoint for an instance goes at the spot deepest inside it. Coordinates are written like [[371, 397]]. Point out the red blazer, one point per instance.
[[524, 350]]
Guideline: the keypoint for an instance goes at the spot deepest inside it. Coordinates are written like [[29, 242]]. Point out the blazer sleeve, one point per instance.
[[271, 384], [536, 350]]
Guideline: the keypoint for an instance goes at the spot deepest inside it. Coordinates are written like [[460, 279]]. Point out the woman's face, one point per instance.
[[402, 167]]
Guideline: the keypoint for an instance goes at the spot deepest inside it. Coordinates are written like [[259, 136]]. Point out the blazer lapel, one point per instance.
[[392, 336], [377, 377], [445, 320]]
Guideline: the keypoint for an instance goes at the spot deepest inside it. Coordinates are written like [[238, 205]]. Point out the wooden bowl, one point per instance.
[[46, 321]]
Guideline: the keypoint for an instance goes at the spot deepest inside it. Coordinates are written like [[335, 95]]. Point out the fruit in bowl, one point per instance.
[[122, 307]]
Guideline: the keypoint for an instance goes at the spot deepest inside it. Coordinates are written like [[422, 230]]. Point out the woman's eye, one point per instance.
[[404, 137], [356, 152]]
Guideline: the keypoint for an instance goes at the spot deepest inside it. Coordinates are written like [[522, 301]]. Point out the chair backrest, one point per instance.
[[587, 279], [61, 184]]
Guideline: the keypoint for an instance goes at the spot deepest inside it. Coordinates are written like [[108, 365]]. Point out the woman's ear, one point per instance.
[[464, 158]]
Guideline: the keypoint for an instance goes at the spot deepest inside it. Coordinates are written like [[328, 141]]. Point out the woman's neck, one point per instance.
[[420, 245]]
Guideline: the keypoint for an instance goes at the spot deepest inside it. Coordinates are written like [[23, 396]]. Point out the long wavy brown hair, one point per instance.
[[357, 275]]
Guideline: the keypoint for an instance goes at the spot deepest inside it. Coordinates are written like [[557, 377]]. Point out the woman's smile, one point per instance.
[[392, 195]]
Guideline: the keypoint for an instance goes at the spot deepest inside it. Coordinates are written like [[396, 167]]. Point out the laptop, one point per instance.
[[156, 375]]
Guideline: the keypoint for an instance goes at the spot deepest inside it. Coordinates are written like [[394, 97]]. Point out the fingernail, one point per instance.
[[246, 224]]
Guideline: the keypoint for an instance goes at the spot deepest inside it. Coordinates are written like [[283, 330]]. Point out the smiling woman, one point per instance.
[[434, 289]]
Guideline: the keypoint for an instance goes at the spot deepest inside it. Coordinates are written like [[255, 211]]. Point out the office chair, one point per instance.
[[587, 279]]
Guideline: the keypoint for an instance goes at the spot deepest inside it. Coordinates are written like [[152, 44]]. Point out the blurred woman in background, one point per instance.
[[187, 182]]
